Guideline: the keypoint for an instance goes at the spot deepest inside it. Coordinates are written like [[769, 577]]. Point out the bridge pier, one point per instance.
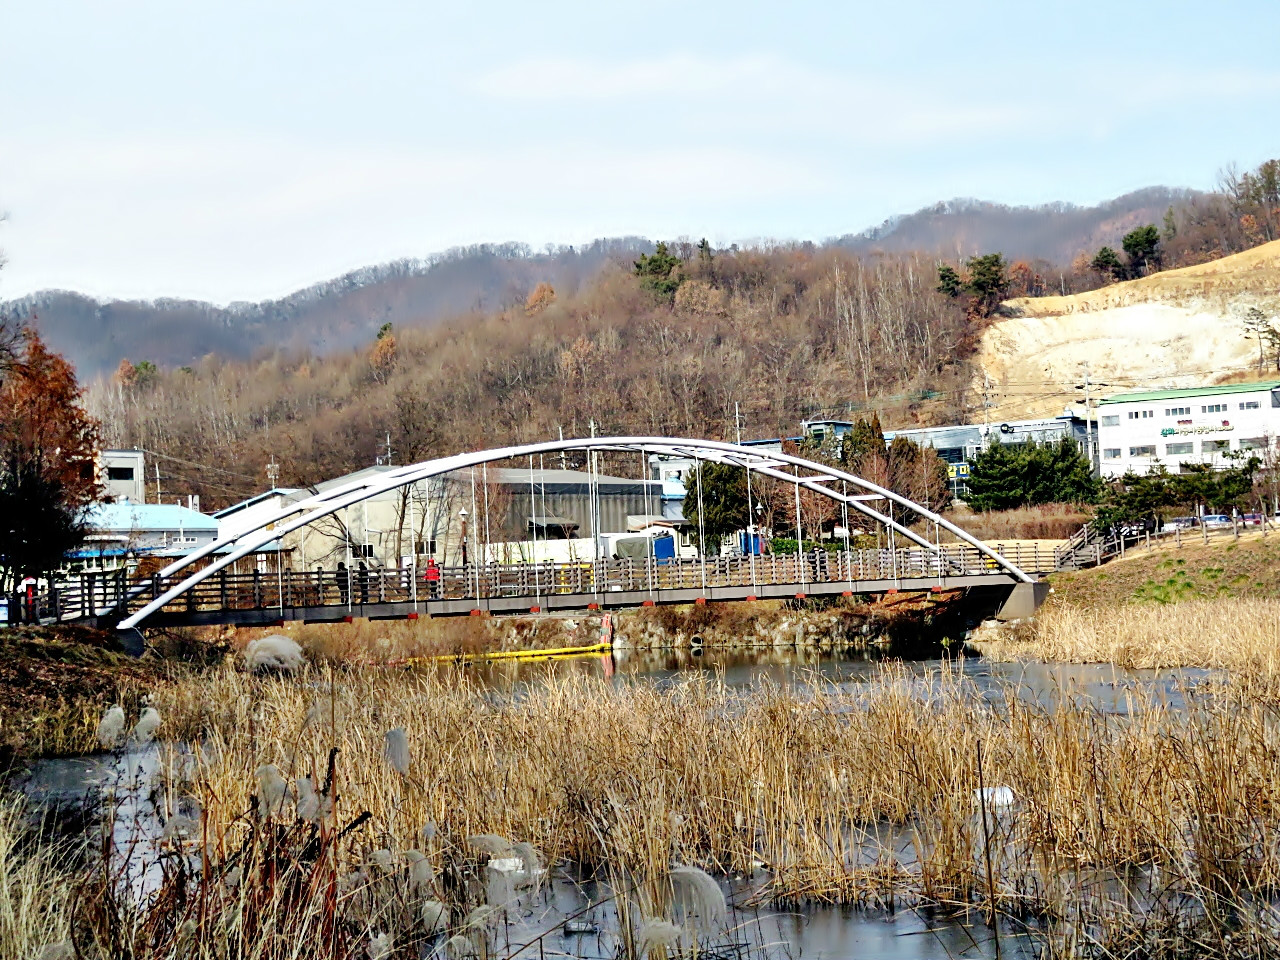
[[1023, 600]]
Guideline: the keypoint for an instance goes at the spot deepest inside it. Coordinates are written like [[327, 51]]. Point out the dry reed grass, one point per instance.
[[35, 890], [1049, 521], [1237, 635], [855, 796]]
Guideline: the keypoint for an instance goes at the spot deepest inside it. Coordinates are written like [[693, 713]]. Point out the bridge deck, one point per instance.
[[562, 602], [330, 595]]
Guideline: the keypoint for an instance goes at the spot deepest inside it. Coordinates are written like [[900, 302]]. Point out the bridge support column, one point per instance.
[[1023, 600]]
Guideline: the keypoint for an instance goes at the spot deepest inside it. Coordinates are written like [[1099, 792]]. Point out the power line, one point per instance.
[[202, 466]]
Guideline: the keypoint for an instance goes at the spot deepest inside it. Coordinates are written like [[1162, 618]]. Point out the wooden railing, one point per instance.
[[1091, 547], [90, 595]]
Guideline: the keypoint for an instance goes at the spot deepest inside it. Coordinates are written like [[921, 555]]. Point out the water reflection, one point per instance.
[[1105, 687], [535, 927]]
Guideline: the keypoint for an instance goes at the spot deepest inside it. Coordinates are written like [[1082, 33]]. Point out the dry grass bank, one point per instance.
[[1248, 568], [1238, 635], [1214, 605], [54, 682], [1049, 521]]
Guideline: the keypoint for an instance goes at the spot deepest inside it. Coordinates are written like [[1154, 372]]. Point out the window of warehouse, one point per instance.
[[1111, 453], [1174, 449], [1112, 420], [1143, 451], [1215, 446], [1254, 443]]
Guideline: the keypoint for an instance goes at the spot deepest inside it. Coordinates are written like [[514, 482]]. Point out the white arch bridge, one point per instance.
[[201, 587]]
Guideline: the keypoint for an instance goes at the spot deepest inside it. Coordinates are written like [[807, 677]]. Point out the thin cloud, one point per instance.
[[681, 75]]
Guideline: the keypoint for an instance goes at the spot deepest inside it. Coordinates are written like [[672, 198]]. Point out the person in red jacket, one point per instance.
[[432, 577]]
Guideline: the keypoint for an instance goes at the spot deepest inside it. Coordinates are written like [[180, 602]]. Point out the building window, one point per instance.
[[1254, 443], [1112, 420], [1143, 451], [1250, 404], [1111, 453], [1214, 408], [427, 548], [1177, 449], [1215, 446], [1141, 414], [362, 550], [119, 473], [1177, 411]]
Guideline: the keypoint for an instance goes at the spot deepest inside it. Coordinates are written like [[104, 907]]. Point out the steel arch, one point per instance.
[[320, 505]]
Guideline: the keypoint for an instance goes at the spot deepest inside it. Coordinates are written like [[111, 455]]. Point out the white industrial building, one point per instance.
[[1197, 425]]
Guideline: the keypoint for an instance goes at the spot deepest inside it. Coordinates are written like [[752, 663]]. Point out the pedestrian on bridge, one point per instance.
[[431, 575]]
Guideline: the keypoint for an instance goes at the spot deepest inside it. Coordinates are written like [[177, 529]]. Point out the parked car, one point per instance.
[[1252, 519], [1215, 521], [1180, 523]]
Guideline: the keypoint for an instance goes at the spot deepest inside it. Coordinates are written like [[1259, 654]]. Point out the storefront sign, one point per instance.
[[1171, 431]]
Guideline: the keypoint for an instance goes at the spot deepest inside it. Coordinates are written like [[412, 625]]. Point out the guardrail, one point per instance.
[[1089, 547], [98, 595]]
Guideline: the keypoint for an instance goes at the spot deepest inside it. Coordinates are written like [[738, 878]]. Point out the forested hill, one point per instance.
[[1055, 232], [325, 318], [334, 316]]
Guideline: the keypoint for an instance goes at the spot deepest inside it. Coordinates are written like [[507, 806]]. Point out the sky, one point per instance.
[[239, 151]]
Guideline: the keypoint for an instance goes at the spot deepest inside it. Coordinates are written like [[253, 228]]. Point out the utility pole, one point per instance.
[[1088, 418], [388, 448], [986, 405], [157, 483], [273, 473]]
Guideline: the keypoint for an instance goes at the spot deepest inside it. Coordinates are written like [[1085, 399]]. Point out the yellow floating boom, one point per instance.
[[592, 651]]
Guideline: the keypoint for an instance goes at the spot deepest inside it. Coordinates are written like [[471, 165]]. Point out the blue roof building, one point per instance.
[[123, 529]]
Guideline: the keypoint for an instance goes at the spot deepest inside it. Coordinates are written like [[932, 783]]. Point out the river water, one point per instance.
[[830, 933], [1105, 687]]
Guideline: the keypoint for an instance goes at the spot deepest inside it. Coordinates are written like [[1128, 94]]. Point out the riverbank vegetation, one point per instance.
[[1213, 605], [902, 791], [1236, 635]]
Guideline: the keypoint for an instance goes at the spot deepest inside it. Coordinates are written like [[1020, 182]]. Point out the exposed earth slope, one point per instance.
[[1173, 329]]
